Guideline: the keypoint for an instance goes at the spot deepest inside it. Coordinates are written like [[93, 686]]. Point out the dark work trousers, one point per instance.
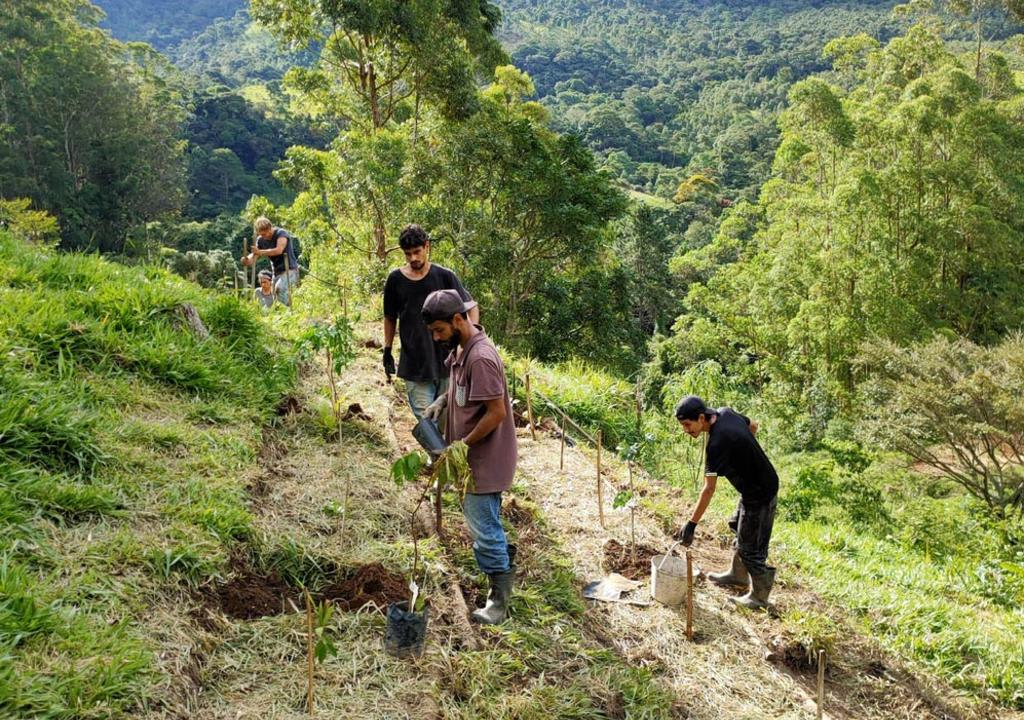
[[753, 528]]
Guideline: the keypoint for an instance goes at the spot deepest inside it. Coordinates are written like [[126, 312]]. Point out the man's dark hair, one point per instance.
[[412, 236], [692, 407]]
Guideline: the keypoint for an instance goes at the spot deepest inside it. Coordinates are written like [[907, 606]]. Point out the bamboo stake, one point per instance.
[[254, 258], [561, 457], [632, 513], [529, 409], [639, 408], [287, 278], [821, 683], [583, 433], [600, 491], [309, 653], [689, 596]]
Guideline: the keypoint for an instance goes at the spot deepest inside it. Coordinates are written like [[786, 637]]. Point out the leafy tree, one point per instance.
[[896, 212], [955, 408], [89, 126], [377, 57], [528, 212]]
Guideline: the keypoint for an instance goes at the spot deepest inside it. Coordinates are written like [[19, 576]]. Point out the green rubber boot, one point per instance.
[[736, 575], [760, 588], [496, 609]]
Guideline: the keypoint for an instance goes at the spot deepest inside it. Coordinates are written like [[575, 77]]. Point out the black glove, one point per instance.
[[389, 362], [685, 534]]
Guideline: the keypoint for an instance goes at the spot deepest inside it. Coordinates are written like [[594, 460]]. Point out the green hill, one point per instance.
[[121, 435], [163, 23]]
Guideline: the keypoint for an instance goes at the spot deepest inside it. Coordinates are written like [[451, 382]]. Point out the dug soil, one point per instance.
[[619, 558], [250, 595]]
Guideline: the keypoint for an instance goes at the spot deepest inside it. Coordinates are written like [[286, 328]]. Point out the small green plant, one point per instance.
[[451, 469], [627, 498], [338, 343], [319, 643], [810, 632]]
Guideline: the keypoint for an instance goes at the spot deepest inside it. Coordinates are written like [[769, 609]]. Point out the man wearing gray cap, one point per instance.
[[479, 414]]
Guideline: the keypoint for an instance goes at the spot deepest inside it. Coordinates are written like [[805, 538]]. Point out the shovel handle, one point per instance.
[[667, 553]]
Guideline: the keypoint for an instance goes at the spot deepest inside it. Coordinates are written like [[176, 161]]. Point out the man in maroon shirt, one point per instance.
[[479, 414]]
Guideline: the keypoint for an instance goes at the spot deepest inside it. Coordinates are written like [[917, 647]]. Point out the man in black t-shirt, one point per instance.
[[421, 362], [733, 451]]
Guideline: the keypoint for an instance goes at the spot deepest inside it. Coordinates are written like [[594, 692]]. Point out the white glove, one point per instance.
[[434, 409]]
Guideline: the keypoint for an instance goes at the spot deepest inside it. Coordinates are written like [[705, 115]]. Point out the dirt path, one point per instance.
[[724, 673], [254, 666]]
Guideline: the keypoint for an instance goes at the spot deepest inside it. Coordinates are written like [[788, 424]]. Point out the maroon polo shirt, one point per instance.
[[478, 375]]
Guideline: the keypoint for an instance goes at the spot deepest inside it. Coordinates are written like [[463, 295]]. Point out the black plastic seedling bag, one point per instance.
[[406, 631]]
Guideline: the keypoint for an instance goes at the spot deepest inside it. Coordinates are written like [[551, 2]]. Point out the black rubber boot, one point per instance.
[[496, 609], [760, 588], [735, 575]]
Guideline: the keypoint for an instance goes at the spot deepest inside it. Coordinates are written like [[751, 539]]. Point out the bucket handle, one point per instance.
[[667, 553]]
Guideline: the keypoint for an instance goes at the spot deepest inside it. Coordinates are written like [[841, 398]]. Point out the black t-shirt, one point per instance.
[[277, 261], [421, 358], [734, 452]]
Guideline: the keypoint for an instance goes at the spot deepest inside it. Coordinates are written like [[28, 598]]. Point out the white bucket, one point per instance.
[[668, 579]]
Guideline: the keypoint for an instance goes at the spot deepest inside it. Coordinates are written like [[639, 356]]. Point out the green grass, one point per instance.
[[121, 438], [918, 564]]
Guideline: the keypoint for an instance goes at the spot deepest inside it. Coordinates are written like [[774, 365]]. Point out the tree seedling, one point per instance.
[[338, 343], [319, 643], [450, 469], [627, 498]]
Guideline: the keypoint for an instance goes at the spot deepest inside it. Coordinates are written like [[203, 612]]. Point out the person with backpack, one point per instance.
[[277, 245]]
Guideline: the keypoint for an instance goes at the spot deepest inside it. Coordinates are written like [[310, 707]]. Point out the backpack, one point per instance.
[[294, 243]]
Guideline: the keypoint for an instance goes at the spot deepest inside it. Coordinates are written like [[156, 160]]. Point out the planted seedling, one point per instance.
[[407, 621], [338, 343], [319, 643], [627, 498]]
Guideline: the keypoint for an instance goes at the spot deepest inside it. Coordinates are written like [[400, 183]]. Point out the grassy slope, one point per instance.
[[912, 560], [139, 467], [120, 439]]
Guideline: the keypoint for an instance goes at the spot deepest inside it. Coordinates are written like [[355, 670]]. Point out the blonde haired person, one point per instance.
[[276, 244]]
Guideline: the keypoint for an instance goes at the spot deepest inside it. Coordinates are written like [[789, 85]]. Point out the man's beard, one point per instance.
[[417, 265], [451, 343]]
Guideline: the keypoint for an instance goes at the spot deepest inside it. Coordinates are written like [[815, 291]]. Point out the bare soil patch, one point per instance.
[[250, 594], [368, 585], [619, 558]]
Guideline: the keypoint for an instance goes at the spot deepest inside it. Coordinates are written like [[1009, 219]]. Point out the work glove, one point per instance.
[[389, 362], [685, 534], [434, 409]]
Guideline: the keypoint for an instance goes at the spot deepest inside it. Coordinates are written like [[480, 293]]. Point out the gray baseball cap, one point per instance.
[[444, 304]]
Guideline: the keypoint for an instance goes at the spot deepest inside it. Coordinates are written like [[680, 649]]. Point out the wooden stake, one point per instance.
[[561, 457], [255, 282], [639, 409], [600, 490], [437, 508], [310, 656], [821, 683], [529, 409], [689, 596]]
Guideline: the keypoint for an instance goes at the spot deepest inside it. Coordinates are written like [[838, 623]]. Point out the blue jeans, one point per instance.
[[423, 392], [283, 284], [490, 546]]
